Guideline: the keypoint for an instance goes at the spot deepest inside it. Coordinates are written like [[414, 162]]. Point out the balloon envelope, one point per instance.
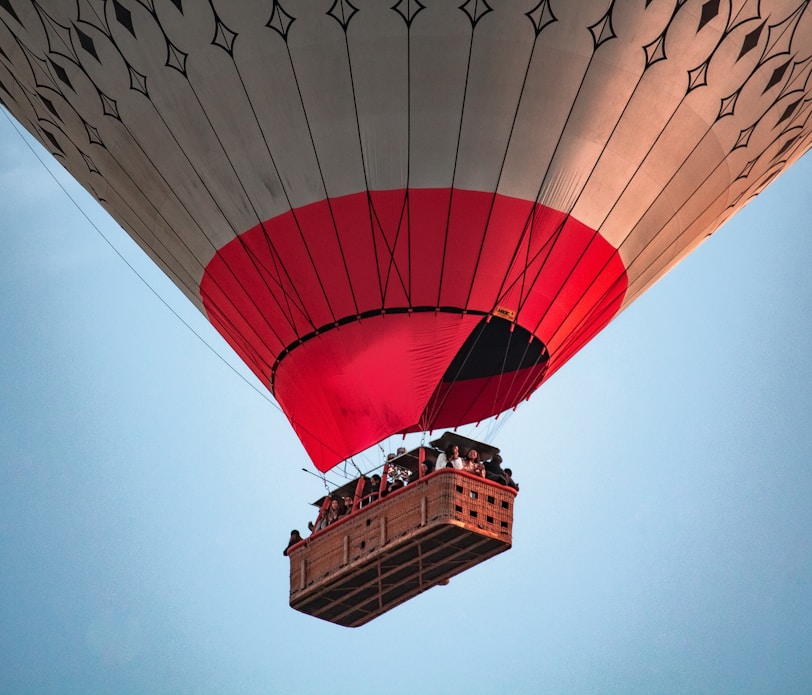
[[406, 216]]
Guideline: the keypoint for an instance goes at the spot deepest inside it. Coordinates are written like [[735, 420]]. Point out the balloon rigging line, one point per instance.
[[363, 163], [223, 315], [261, 393], [509, 140], [231, 328], [327, 197], [490, 211], [374, 217], [529, 226], [573, 335], [236, 333], [256, 262], [191, 289], [136, 272], [669, 250], [355, 465], [146, 283], [142, 242], [525, 292], [301, 304], [286, 194], [454, 169], [323, 478], [677, 170], [406, 201], [555, 238]]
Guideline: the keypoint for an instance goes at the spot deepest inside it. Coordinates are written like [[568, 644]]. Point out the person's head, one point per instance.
[[295, 535], [334, 504], [376, 480], [347, 502], [509, 472], [472, 455], [452, 451]]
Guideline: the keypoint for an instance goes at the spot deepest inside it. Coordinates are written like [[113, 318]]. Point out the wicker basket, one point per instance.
[[371, 561]]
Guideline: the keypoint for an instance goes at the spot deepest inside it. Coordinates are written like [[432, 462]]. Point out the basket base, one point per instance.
[[398, 573]]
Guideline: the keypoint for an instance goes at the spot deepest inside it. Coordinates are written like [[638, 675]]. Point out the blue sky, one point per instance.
[[662, 539]]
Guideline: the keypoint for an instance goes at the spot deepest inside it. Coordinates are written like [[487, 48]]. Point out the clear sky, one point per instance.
[[662, 538]]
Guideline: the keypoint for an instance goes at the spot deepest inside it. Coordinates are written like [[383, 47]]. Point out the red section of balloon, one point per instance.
[[353, 308]]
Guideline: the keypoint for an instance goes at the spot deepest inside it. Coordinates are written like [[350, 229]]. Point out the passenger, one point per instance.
[[394, 485], [510, 481], [450, 458], [472, 464], [348, 504], [295, 537], [414, 477], [493, 470], [334, 512], [372, 489]]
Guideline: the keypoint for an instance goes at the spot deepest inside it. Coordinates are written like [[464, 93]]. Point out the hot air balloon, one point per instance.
[[406, 216]]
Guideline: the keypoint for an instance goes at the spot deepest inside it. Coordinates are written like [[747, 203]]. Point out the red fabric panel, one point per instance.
[[474, 400], [327, 263], [355, 386]]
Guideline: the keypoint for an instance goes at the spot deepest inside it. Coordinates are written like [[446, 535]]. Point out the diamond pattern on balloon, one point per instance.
[[48, 104], [59, 71], [87, 13], [787, 145], [224, 37], [744, 137], [779, 36], [86, 42], [109, 106], [744, 173], [751, 40], [59, 38], [52, 139], [602, 30], [92, 134], [777, 76], [6, 5], [541, 15], [798, 76], [789, 110], [138, 82], [655, 51], [342, 11], [408, 9], [710, 10], [123, 16], [475, 9], [176, 58], [91, 165], [729, 104], [698, 77], [280, 21]]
